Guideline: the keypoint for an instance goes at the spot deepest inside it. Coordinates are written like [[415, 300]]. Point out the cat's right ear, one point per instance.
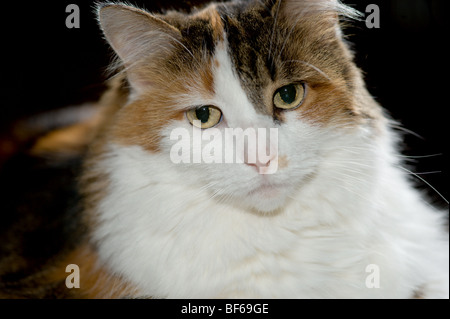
[[140, 39]]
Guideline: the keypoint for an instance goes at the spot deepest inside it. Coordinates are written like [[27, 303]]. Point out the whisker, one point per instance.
[[273, 31], [341, 185], [426, 173], [285, 41], [424, 181], [343, 161], [310, 65], [420, 156], [401, 128], [177, 41]]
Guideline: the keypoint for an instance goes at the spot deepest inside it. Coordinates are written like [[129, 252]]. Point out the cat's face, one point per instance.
[[279, 69]]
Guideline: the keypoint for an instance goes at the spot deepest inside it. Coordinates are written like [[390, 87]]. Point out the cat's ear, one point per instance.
[[139, 39], [324, 12]]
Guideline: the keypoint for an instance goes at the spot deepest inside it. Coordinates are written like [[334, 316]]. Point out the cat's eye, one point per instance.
[[289, 96], [206, 115]]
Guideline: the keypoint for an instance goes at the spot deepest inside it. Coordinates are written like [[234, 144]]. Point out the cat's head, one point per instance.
[[274, 75]]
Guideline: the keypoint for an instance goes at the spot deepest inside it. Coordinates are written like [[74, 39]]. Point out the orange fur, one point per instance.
[[211, 15]]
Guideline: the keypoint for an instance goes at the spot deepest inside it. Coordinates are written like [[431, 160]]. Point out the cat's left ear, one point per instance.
[[140, 39]]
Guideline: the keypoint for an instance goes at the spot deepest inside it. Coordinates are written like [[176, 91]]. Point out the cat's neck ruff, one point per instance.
[[196, 246]]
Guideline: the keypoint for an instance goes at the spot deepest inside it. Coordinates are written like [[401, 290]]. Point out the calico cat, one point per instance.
[[336, 217]]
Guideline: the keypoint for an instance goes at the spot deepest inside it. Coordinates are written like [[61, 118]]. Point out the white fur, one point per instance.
[[206, 231]]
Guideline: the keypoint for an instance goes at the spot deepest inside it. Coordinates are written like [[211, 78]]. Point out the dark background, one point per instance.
[[47, 66]]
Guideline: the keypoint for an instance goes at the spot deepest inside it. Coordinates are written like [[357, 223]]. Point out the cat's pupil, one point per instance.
[[202, 114], [288, 94]]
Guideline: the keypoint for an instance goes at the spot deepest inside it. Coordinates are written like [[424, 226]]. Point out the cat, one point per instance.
[[335, 216]]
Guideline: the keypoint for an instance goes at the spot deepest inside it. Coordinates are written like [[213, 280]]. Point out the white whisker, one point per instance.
[[177, 41], [273, 31], [401, 128], [419, 156], [423, 180], [311, 66], [426, 173]]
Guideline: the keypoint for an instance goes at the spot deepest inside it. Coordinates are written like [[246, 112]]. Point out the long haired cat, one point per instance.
[[324, 211]]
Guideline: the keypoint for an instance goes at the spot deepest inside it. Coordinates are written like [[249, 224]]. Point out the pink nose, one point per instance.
[[258, 164], [263, 165]]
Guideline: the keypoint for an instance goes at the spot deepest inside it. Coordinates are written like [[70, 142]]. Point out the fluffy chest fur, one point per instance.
[[184, 244], [337, 204]]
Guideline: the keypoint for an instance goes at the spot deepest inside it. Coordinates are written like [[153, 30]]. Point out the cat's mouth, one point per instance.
[[268, 190], [267, 197]]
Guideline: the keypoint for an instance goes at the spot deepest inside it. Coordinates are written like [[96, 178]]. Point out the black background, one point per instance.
[[47, 66]]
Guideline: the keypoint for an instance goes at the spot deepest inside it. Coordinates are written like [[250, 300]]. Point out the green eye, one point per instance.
[[208, 116], [289, 96]]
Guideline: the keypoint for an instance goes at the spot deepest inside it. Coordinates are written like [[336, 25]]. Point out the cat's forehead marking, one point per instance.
[[229, 92], [212, 16], [243, 29], [248, 35]]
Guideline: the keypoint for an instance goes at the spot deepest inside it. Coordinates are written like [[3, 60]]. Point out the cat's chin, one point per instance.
[[264, 207], [266, 199]]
